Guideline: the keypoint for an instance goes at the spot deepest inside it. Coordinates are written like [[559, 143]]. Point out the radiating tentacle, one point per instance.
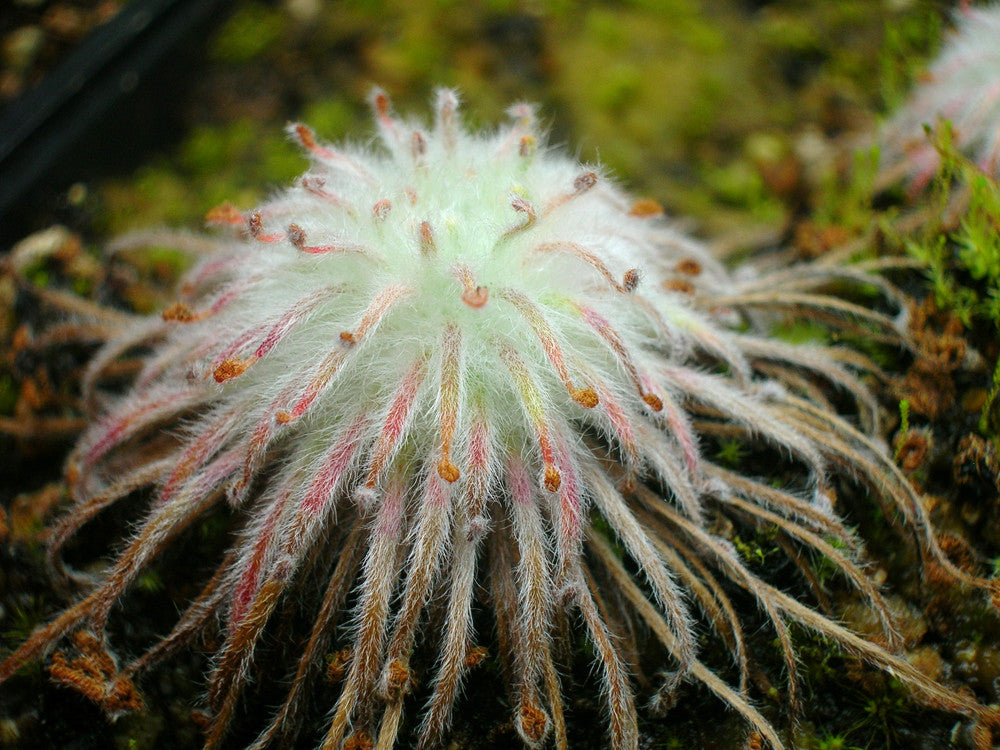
[[87, 507], [863, 583], [450, 394], [165, 523], [394, 428], [877, 468], [535, 412], [283, 728], [818, 360], [379, 578], [426, 556], [666, 635], [534, 602], [433, 523], [375, 313], [805, 301], [668, 595], [456, 644], [710, 593], [808, 617], [739, 406], [193, 621], [621, 706], [550, 344]]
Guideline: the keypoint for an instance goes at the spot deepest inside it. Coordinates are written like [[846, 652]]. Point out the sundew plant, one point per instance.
[[456, 389], [962, 87]]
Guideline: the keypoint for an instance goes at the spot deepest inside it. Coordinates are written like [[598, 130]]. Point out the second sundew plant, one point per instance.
[[464, 383], [962, 87]]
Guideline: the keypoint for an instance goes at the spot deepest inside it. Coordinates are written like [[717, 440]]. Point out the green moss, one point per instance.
[[904, 426], [248, 33], [213, 149], [909, 40], [740, 185], [234, 162], [731, 452], [407, 56], [333, 119], [213, 529], [656, 90], [161, 261], [38, 275], [759, 548], [156, 195], [844, 200], [82, 286], [963, 265], [150, 582], [826, 569], [619, 87], [139, 731], [637, 106], [978, 240], [802, 331], [281, 162], [790, 33], [989, 418], [832, 741], [22, 621]]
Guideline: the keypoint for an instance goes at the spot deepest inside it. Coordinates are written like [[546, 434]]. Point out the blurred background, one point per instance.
[[115, 114]]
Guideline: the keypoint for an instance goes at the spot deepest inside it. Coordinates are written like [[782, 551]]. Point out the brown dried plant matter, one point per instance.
[[93, 672]]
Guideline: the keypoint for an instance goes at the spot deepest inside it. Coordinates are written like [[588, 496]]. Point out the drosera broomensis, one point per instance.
[[465, 383], [962, 87]]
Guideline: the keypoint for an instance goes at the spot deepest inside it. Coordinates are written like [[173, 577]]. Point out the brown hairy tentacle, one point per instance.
[[458, 634], [665, 634], [903, 670], [610, 503], [285, 724], [379, 578], [88, 507], [621, 704], [194, 619]]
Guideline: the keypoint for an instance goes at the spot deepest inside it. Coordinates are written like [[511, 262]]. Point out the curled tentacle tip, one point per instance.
[[533, 724], [476, 298]]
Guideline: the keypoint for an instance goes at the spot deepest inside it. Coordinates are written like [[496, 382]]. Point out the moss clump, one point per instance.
[[908, 43], [248, 33], [962, 256]]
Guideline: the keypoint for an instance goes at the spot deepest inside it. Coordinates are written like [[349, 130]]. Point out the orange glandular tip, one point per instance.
[[552, 478], [179, 312], [448, 471], [224, 213], [477, 297], [646, 208], [230, 368], [631, 280]]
